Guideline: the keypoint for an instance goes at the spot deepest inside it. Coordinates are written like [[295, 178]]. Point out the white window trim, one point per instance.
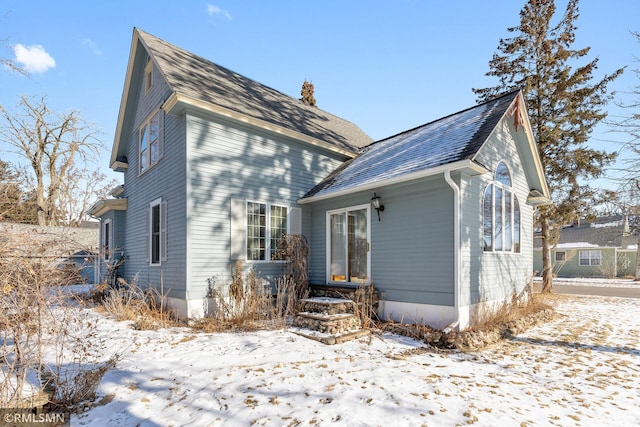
[[328, 242], [107, 252], [267, 248], [147, 125], [162, 248], [590, 258], [514, 199]]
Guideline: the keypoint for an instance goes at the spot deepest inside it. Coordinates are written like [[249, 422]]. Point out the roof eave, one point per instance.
[[536, 156], [124, 98], [468, 166], [103, 206], [119, 166], [536, 198], [178, 103]]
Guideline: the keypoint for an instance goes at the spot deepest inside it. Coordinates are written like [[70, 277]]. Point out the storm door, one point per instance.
[[348, 236]]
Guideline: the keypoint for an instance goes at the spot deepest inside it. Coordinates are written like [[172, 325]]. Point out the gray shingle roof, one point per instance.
[[198, 78], [603, 232], [444, 141], [35, 240]]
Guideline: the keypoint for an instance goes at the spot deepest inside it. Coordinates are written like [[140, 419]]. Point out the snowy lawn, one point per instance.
[[582, 369]]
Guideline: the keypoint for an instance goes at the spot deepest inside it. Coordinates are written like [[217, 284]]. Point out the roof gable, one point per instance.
[[451, 142], [515, 120], [201, 83]]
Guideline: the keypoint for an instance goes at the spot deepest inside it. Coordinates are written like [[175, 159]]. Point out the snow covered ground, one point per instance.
[[585, 281], [582, 369]]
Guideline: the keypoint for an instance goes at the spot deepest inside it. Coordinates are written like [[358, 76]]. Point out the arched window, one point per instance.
[[501, 214]]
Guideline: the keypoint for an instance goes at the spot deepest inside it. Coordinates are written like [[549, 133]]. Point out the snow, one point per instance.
[[607, 224], [587, 281], [581, 369], [575, 245]]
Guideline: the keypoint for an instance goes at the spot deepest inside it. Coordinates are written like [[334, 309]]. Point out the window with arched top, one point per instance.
[[501, 214]]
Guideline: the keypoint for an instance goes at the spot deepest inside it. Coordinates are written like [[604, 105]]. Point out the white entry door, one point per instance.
[[348, 236]]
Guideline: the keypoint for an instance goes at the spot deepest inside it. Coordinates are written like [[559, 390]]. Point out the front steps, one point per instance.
[[328, 320]]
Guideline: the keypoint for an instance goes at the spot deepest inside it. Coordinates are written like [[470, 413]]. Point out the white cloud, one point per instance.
[[34, 58], [215, 10], [92, 45]]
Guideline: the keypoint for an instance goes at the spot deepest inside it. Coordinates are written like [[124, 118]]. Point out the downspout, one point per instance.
[[457, 262]]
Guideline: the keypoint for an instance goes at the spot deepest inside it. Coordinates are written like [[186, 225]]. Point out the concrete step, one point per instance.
[[330, 339], [327, 305]]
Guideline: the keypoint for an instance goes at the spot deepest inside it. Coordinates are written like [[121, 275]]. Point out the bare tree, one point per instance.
[[80, 190], [10, 64], [628, 195], [51, 143]]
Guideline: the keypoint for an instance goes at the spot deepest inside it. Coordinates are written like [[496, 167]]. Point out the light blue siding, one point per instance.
[[230, 161], [493, 275], [411, 246], [166, 180]]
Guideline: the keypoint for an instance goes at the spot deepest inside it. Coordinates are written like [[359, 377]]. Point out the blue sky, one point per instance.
[[386, 66]]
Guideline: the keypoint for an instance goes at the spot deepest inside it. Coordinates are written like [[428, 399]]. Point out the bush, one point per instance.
[[45, 345], [250, 304], [486, 317], [146, 307]]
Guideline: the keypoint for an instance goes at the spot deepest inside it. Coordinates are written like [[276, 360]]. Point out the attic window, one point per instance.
[[150, 145], [148, 75]]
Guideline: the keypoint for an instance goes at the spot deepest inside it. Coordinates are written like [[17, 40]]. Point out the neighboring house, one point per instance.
[[604, 247], [71, 248], [217, 167]]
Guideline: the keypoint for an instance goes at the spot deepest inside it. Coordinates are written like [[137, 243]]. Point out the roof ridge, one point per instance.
[[492, 100], [226, 69]]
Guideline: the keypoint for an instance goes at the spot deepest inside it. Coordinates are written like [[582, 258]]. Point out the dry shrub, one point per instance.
[[44, 338], [77, 386], [124, 303], [79, 363], [251, 304], [526, 303], [294, 249], [146, 307], [366, 301]]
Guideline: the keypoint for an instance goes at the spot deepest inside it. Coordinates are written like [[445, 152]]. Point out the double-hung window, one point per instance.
[[590, 258], [150, 142], [106, 239], [266, 224], [257, 228], [501, 214], [156, 241]]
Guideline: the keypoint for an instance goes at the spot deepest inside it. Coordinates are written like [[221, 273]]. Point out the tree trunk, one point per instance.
[[547, 265], [40, 200]]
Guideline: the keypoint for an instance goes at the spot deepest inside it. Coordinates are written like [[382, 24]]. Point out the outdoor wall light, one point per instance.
[[375, 201]]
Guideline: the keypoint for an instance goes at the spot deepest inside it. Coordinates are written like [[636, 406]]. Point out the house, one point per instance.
[[217, 167], [603, 247]]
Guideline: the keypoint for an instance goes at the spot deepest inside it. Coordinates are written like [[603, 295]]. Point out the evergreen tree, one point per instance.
[[564, 105], [15, 204]]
